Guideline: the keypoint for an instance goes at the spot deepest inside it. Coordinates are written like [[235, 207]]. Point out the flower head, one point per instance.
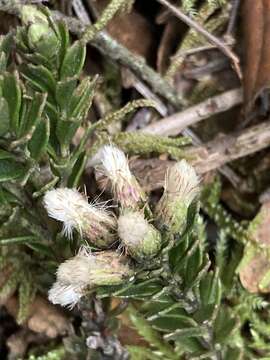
[[140, 238], [113, 163], [85, 271], [180, 189], [93, 222]]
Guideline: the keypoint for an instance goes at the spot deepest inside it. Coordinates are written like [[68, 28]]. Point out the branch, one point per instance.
[[210, 37], [211, 156], [112, 49], [175, 123]]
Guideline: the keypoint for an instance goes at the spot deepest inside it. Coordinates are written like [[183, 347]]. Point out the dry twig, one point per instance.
[[212, 39], [176, 123], [211, 156]]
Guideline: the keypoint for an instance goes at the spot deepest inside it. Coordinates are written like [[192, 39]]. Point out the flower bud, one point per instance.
[[180, 189], [85, 271], [41, 36], [140, 238], [113, 163], [92, 221], [31, 14]]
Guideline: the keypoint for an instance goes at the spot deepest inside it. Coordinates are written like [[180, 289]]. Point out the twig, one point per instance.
[[211, 38], [115, 51], [232, 21], [211, 156], [112, 49], [175, 123]]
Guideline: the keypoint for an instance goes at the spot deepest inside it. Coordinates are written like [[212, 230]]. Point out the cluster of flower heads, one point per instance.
[[137, 231]]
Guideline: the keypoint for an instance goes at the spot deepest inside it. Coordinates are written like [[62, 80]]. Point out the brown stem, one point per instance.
[[174, 124], [211, 156], [211, 38]]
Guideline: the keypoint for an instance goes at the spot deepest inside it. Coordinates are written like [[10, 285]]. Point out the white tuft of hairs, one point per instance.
[[65, 295], [182, 182], [66, 205], [114, 163], [72, 208], [132, 228]]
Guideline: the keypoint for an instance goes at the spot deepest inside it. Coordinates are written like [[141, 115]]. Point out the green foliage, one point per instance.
[[186, 302], [44, 100]]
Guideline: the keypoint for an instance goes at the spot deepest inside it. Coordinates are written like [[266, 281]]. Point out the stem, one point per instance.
[[212, 39]]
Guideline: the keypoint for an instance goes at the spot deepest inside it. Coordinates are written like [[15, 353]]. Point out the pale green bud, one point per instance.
[[41, 37], [140, 238], [180, 189], [30, 15], [86, 271]]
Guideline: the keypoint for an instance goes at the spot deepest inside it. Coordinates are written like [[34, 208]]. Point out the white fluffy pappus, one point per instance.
[[65, 295], [85, 271], [72, 208], [132, 228], [112, 163], [181, 181]]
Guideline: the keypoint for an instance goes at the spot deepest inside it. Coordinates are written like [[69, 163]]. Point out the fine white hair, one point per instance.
[[113, 163], [65, 294], [182, 182], [72, 208]]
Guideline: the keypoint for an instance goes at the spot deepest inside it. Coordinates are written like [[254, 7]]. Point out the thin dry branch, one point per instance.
[[174, 124], [213, 155], [115, 51], [210, 37]]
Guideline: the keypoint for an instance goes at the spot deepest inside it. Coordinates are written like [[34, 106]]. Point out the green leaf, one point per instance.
[[39, 141], [194, 263], [64, 39], [185, 332], [17, 240], [82, 98], [26, 296], [225, 324], [73, 60], [10, 170], [13, 95], [3, 61], [64, 91], [149, 334], [39, 77], [77, 170], [210, 289], [41, 248], [65, 130], [34, 113], [140, 291], [173, 322], [4, 117]]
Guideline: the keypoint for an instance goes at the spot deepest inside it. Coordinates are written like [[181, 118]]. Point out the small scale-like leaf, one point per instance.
[[64, 91], [3, 61], [39, 77], [13, 95], [4, 117], [10, 170], [73, 60], [17, 240], [224, 326], [77, 170], [65, 131], [140, 291], [82, 98], [39, 141], [33, 116], [64, 39]]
